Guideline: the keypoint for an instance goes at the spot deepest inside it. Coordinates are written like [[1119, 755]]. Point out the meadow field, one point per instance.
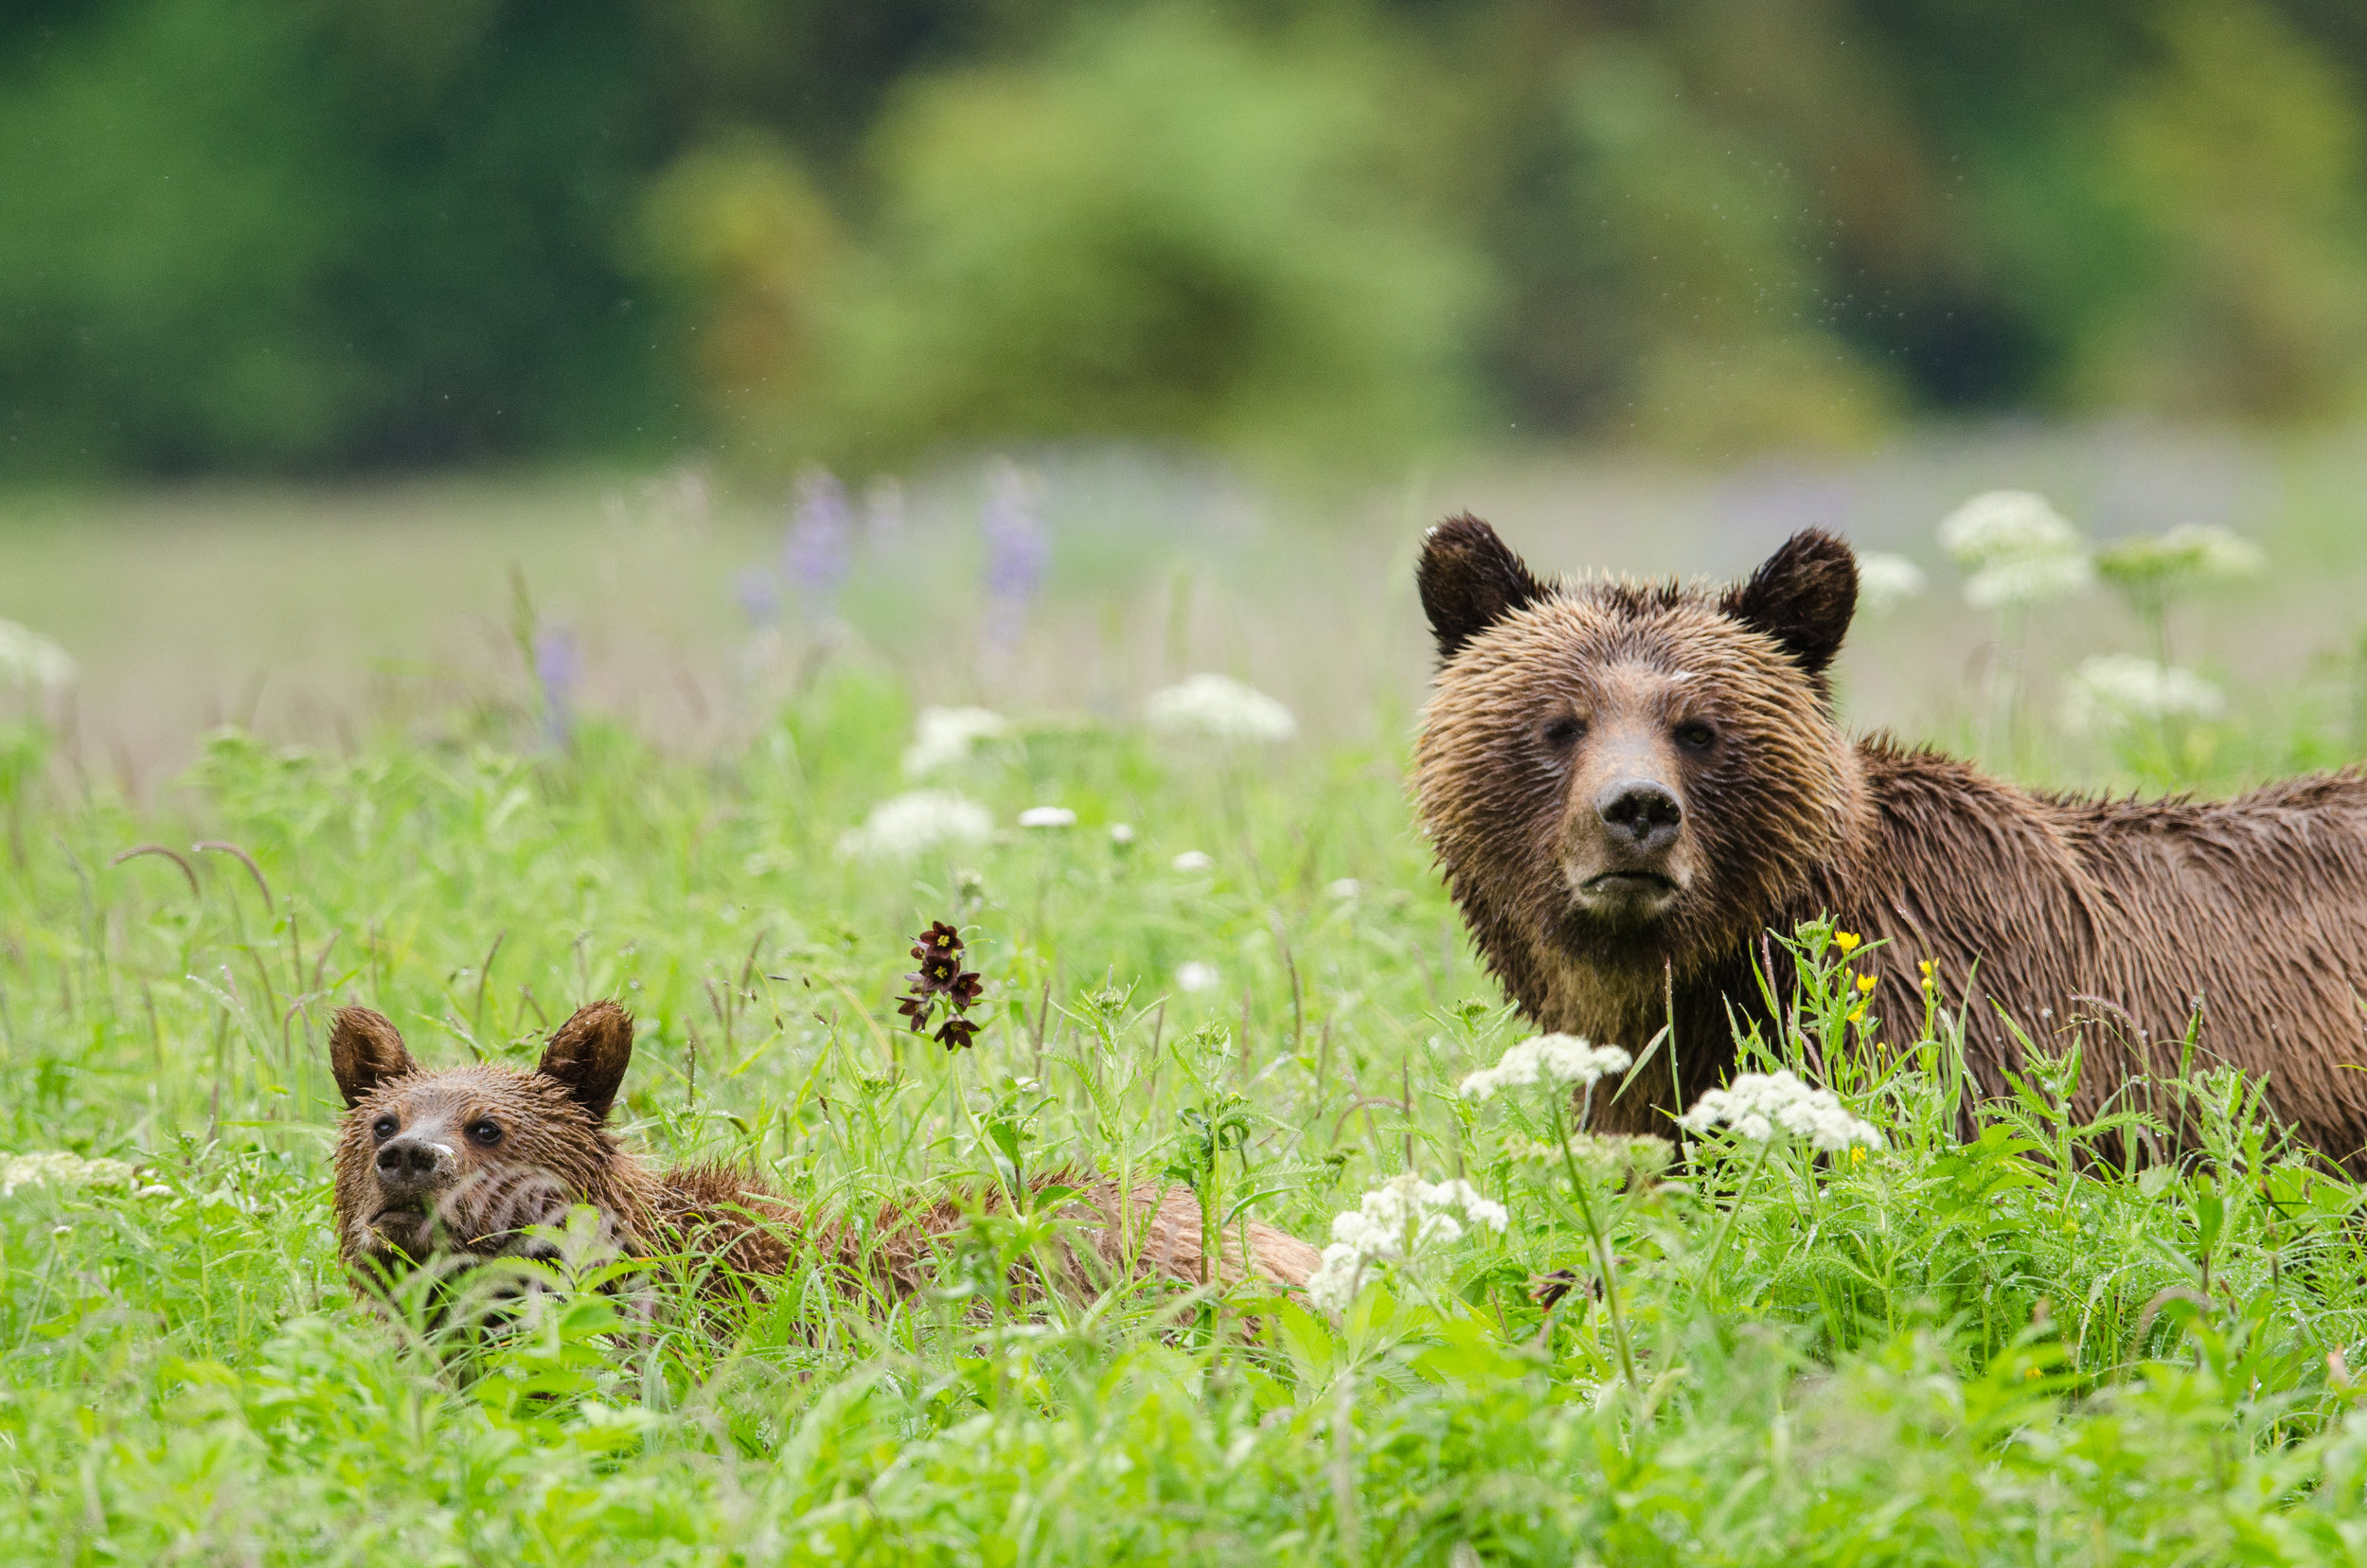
[[474, 754]]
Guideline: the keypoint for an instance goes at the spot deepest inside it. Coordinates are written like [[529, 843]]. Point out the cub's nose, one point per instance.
[[1642, 815], [409, 1164]]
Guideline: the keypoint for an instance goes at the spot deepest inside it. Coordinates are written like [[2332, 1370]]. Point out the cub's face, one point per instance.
[[1628, 776], [466, 1160]]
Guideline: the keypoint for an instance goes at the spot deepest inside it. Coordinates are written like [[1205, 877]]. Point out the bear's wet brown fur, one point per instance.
[[1628, 785], [479, 1161]]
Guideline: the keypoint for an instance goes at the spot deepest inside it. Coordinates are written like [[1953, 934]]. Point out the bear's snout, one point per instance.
[[1641, 814], [411, 1166], [1624, 852]]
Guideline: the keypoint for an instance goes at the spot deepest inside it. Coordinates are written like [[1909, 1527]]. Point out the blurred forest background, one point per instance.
[[310, 237]]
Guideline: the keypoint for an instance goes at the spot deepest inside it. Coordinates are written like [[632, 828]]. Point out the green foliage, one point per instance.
[[2025, 1344], [250, 235], [1168, 228]]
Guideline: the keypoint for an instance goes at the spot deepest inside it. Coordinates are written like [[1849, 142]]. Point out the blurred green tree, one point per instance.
[[1166, 228], [307, 235]]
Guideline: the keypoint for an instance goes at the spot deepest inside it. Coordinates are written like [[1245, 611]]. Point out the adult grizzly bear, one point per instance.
[[472, 1163], [1628, 784]]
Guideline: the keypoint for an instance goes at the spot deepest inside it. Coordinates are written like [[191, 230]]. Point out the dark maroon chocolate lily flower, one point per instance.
[[941, 979]]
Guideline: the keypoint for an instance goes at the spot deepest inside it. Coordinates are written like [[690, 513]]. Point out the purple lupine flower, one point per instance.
[[557, 670], [820, 529], [1018, 551]]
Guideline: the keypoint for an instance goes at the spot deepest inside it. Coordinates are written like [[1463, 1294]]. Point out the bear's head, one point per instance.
[[464, 1161], [1626, 782]]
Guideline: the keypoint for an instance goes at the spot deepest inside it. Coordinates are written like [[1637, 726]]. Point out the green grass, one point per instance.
[[2007, 1351]]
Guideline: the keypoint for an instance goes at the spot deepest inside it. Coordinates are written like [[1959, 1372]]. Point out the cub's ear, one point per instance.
[[364, 1050], [1802, 596], [589, 1054], [1471, 579]]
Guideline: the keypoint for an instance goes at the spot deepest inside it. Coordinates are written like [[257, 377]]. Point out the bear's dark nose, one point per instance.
[[1642, 815], [407, 1165]]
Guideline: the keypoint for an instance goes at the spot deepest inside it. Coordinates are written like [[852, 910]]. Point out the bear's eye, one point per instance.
[[384, 1127], [1563, 733], [486, 1133], [1695, 737]]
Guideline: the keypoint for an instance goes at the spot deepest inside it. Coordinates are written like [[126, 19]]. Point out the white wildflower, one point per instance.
[[912, 824], [1193, 860], [2111, 690], [1761, 1105], [1887, 581], [2148, 562], [1121, 833], [2214, 551], [1346, 888], [1395, 1220], [29, 659], [1555, 1059], [60, 1171], [943, 736], [2006, 525], [1047, 816], [1221, 706], [2018, 549], [1196, 976]]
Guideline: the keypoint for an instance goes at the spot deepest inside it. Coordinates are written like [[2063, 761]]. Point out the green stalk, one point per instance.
[[1602, 1242], [1726, 1226]]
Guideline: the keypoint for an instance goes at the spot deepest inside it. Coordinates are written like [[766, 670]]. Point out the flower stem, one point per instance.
[[1603, 1262], [1726, 1226]]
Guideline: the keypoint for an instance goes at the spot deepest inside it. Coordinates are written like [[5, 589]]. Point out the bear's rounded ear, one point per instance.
[[588, 1056], [364, 1050], [1471, 579], [1802, 596]]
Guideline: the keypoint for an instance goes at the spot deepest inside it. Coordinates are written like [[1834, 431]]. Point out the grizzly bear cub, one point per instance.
[[472, 1162], [1628, 785]]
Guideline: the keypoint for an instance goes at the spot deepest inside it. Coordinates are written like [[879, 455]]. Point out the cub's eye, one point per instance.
[[1696, 737], [486, 1132], [384, 1127], [1563, 733]]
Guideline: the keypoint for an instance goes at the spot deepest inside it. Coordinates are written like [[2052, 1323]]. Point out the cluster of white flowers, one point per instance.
[[2189, 550], [1997, 525], [1346, 888], [912, 824], [29, 659], [2018, 549], [943, 736], [1221, 706], [56, 1168], [1192, 860], [1887, 581], [2112, 690], [1760, 1106], [1196, 976], [1393, 1222], [2209, 550], [1121, 833], [1047, 816], [1554, 1059]]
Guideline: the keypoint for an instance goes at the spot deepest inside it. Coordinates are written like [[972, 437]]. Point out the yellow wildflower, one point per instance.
[[1856, 1014], [1865, 983], [1846, 941]]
